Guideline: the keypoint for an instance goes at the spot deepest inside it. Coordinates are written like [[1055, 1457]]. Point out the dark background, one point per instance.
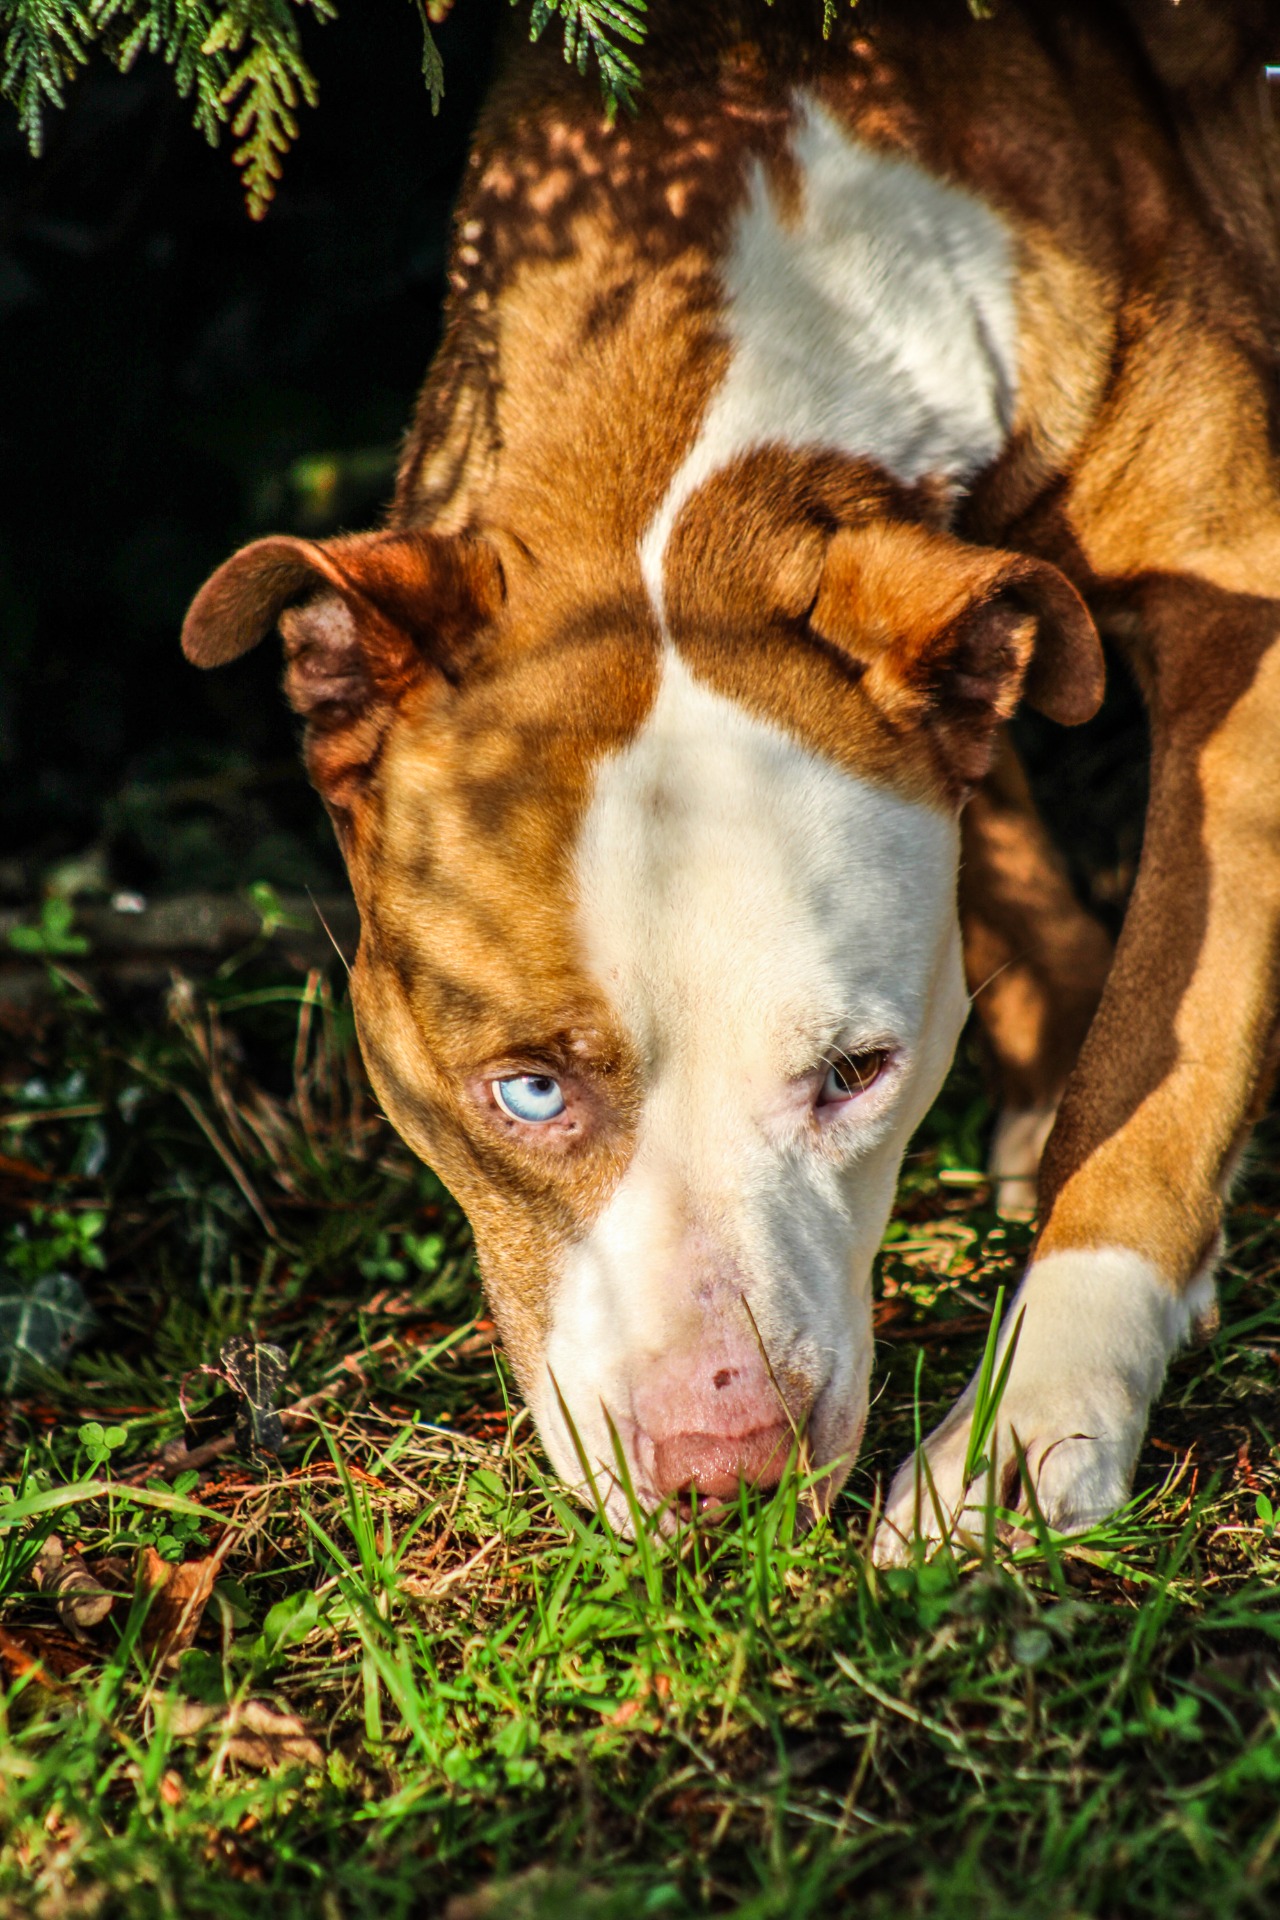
[[174, 380]]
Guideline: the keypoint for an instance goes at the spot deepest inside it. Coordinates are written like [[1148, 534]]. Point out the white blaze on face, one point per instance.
[[746, 907], [880, 323]]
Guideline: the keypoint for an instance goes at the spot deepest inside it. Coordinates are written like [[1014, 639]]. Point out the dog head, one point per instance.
[[659, 963]]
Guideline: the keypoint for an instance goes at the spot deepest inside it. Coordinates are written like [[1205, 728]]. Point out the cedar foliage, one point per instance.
[[242, 65]]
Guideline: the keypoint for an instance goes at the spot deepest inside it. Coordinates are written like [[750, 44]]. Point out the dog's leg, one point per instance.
[[1173, 1072], [1036, 964]]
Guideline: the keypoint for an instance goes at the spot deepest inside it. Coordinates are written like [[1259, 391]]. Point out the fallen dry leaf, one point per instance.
[[251, 1733], [180, 1593], [252, 1371]]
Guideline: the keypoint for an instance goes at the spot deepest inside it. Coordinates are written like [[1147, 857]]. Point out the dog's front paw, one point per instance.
[[1017, 1146], [1079, 1458], [1095, 1331]]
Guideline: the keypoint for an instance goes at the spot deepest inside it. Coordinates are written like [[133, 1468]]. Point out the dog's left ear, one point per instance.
[[951, 636], [365, 618], [418, 598]]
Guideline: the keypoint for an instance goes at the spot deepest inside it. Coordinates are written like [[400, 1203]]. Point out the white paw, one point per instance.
[[1014, 1159], [1097, 1332]]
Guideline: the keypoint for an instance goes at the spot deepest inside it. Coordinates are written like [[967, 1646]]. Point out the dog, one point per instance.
[[782, 438]]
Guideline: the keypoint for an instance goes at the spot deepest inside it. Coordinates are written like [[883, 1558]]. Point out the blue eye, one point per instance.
[[531, 1097]]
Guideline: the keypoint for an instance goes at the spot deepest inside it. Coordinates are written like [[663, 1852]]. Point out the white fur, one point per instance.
[[880, 323], [743, 904], [1099, 1328]]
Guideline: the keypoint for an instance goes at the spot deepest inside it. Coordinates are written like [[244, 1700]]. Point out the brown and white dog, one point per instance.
[[782, 438]]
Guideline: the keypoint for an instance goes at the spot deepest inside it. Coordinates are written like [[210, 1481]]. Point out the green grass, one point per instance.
[[425, 1684]]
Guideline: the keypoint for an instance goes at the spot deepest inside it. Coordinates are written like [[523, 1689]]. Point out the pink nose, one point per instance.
[[715, 1418]]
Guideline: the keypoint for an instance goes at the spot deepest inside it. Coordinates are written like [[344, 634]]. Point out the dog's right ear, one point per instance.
[[364, 619]]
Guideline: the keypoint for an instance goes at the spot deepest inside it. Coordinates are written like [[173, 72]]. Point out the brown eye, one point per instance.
[[851, 1075]]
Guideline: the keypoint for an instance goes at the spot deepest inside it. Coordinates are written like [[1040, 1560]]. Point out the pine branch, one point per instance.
[[588, 29], [432, 65], [178, 31], [264, 89], [44, 43], [239, 61]]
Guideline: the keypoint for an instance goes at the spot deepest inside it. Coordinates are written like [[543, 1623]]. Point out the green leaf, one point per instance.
[[485, 1486], [40, 1323], [53, 1499], [426, 1250], [515, 1738], [287, 1622], [989, 1391], [267, 904], [176, 30], [523, 1773], [432, 65], [200, 1677], [53, 935]]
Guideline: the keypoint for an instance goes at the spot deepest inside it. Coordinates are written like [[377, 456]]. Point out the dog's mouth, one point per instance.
[[713, 1466], [701, 1479]]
